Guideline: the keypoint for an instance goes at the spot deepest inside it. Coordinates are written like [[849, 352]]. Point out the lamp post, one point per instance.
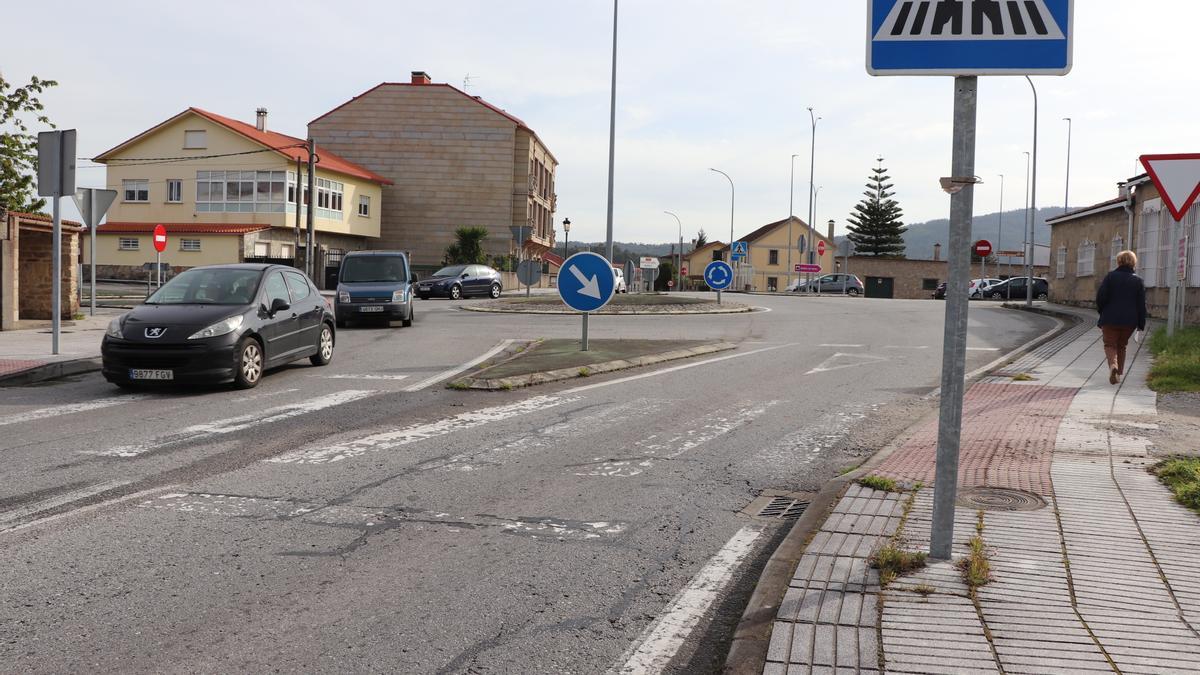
[[566, 238], [732, 199], [612, 138], [791, 217], [1026, 225], [1032, 202], [1000, 230], [1067, 194], [812, 164], [679, 261]]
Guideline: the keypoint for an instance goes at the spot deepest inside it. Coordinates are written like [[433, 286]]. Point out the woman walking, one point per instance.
[[1121, 300]]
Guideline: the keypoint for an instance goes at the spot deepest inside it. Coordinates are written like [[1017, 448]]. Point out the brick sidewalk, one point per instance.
[[1104, 578]]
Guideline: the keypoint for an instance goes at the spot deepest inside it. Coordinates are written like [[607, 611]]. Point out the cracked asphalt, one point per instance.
[[328, 522]]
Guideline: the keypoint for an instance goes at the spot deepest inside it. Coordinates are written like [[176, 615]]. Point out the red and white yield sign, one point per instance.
[[160, 238], [820, 248], [983, 248], [1177, 178]]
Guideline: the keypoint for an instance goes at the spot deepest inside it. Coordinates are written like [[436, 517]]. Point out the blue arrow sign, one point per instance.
[[969, 37], [587, 282], [718, 275]]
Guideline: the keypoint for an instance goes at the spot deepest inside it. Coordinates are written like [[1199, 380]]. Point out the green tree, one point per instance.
[[18, 147], [701, 238], [875, 226], [467, 248]]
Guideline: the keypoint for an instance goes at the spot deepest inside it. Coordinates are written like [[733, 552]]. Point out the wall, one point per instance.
[[34, 268], [909, 275], [451, 158], [215, 249]]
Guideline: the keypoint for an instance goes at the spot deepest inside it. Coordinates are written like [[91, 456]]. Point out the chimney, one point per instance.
[[831, 224], [260, 119], [937, 252], [420, 77]]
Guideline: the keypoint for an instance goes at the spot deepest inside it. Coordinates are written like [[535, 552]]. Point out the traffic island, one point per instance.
[[545, 361], [639, 304]]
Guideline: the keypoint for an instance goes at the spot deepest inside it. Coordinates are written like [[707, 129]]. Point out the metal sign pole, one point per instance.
[[585, 331], [92, 233], [56, 271], [954, 352], [158, 269]]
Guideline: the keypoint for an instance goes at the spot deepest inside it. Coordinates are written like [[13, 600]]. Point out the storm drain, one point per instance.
[[999, 499], [775, 505]]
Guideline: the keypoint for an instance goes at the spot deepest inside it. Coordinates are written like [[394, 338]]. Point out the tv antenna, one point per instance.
[[467, 80]]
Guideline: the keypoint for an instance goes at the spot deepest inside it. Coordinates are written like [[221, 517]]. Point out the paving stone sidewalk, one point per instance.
[[30, 348], [1102, 575]]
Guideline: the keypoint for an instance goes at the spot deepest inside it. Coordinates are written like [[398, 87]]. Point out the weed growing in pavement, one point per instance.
[[976, 568], [1023, 377], [924, 590], [1182, 475], [506, 387], [1176, 361], [893, 561], [848, 469], [584, 372], [458, 386], [879, 483]]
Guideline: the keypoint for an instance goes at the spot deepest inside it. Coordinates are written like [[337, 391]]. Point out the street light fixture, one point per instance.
[[567, 238], [812, 164], [732, 199], [1000, 230], [1032, 202], [791, 217], [679, 262], [1067, 195]]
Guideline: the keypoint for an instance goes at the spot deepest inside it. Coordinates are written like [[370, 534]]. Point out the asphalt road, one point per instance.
[[360, 517]]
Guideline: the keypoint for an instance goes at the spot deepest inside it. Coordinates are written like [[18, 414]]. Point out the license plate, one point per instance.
[[371, 308], [138, 374]]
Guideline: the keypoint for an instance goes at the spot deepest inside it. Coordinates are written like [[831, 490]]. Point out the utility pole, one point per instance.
[[679, 262], [791, 217], [299, 207], [1067, 194], [1000, 231], [1029, 249], [612, 139], [812, 164], [310, 262]]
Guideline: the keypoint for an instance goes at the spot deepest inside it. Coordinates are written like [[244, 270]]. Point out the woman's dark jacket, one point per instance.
[[1122, 299]]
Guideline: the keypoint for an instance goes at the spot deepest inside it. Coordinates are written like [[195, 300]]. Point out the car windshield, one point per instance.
[[373, 268], [452, 271], [221, 286]]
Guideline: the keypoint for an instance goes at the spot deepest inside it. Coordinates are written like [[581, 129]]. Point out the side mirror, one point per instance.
[[465, 275], [279, 305]]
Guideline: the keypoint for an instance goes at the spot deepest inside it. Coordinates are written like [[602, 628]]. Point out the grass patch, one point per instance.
[[848, 469], [893, 562], [1023, 377], [924, 590], [1176, 360], [458, 386], [976, 568], [1182, 475], [879, 483], [584, 372]]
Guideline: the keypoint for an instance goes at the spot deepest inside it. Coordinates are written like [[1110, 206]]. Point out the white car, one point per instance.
[[619, 281], [979, 286]]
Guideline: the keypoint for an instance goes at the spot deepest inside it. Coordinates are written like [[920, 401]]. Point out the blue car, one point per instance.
[[374, 285], [460, 281]]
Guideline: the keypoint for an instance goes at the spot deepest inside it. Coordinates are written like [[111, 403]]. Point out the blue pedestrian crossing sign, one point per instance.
[[740, 250], [969, 37], [718, 275], [587, 282]]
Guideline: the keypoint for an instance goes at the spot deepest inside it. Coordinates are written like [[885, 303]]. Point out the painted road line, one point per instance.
[[352, 376], [658, 644], [389, 440], [673, 369], [831, 364], [906, 347], [983, 349], [87, 509], [266, 394], [843, 346], [69, 408], [59, 500], [445, 375], [199, 432]]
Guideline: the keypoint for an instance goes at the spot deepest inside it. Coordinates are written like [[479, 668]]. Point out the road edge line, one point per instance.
[[447, 374], [51, 371]]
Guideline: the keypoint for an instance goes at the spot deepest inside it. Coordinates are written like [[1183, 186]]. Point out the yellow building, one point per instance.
[[226, 192], [766, 268]]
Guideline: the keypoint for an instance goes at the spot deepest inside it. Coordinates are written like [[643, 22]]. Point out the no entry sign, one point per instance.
[[160, 238], [983, 248], [820, 248]]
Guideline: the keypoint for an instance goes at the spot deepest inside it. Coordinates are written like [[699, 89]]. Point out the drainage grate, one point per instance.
[[778, 505], [999, 499]]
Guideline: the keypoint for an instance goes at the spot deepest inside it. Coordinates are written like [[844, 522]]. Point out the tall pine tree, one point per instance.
[[875, 227]]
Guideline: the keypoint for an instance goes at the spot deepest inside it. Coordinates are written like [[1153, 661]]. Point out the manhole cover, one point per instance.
[[999, 499], [775, 505]]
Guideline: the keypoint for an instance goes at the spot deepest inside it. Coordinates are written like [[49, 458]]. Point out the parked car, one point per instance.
[[847, 284], [374, 285], [939, 293], [979, 286], [218, 324], [619, 283], [461, 281], [1016, 289]]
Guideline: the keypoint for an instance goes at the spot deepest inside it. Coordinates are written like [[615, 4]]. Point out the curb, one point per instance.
[[741, 309], [543, 377], [51, 371], [748, 651]]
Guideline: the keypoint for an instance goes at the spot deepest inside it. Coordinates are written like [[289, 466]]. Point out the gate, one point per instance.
[[333, 264], [880, 287]]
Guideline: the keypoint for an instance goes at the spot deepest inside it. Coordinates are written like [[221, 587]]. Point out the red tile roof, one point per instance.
[[289, 146], [182, 228], [42, 217], [553, 258]]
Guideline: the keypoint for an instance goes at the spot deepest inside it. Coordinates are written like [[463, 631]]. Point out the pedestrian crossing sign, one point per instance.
[[740, 250], [969, 37]]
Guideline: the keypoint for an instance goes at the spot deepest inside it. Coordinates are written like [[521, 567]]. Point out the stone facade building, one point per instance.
[[454, 161], [26, 268], [902, 278]]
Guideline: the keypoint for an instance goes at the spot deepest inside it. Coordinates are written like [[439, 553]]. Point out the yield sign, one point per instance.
[[1177, 178]]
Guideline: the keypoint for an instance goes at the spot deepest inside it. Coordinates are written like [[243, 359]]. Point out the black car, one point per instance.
[[217, 324], [461, 281], [939, 293], [1017, 288], [374, 285]]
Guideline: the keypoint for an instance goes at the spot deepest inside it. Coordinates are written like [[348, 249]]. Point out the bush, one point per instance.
[[1176, 360], [1182, 475]]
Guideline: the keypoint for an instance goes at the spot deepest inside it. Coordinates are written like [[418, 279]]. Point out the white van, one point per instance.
[[619, 281]]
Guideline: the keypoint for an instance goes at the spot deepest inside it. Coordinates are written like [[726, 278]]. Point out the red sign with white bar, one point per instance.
[[983, 248], [160, 238], [820, 248], [808, 269]]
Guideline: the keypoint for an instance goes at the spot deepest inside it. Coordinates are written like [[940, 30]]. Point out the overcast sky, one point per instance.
[[701, 83]]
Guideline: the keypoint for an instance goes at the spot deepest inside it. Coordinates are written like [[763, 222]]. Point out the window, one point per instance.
[[772, 284], [277, 289], [1061, 271], [1118, 245], [718, 254], [262, 249], [137, 190], [774, 257], [285, 251], [364, 205], [298, 285], [240, 191], [330, 194], [929, 284], [195, 140], [174, 190], [189, 244], [127, 244], [1085, 263], [1149, 227]]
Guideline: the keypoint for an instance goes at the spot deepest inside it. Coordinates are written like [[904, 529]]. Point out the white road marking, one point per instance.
[[69, 408], [58, 500], [843, 346], [983, 349], [363, 376], [200, 431], [673, 369], [86, 509], [455, 371], [389, 440], [658, 644], [828, 366], [266, 394], [906, 347]]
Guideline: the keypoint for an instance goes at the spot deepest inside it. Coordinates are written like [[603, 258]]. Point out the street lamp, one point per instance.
[[679, 262], [812, 164], [1000, 230], [1026, 227], [612, 142], [1067, 195], [566, 238], [791, 217], [1032, 201], [732, 199]]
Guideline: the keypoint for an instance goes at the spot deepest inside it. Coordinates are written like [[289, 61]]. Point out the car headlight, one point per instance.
[[114, 327], [344, 297], [219, 328], [399, 296]]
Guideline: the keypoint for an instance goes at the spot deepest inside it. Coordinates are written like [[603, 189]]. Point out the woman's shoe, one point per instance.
[[1113, 376]]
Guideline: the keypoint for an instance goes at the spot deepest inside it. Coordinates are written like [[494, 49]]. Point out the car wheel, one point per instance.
[[495, 291], [248, 363], [853, 291], [412, 315], [324, 347], [455, 292], [1042, 296]]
